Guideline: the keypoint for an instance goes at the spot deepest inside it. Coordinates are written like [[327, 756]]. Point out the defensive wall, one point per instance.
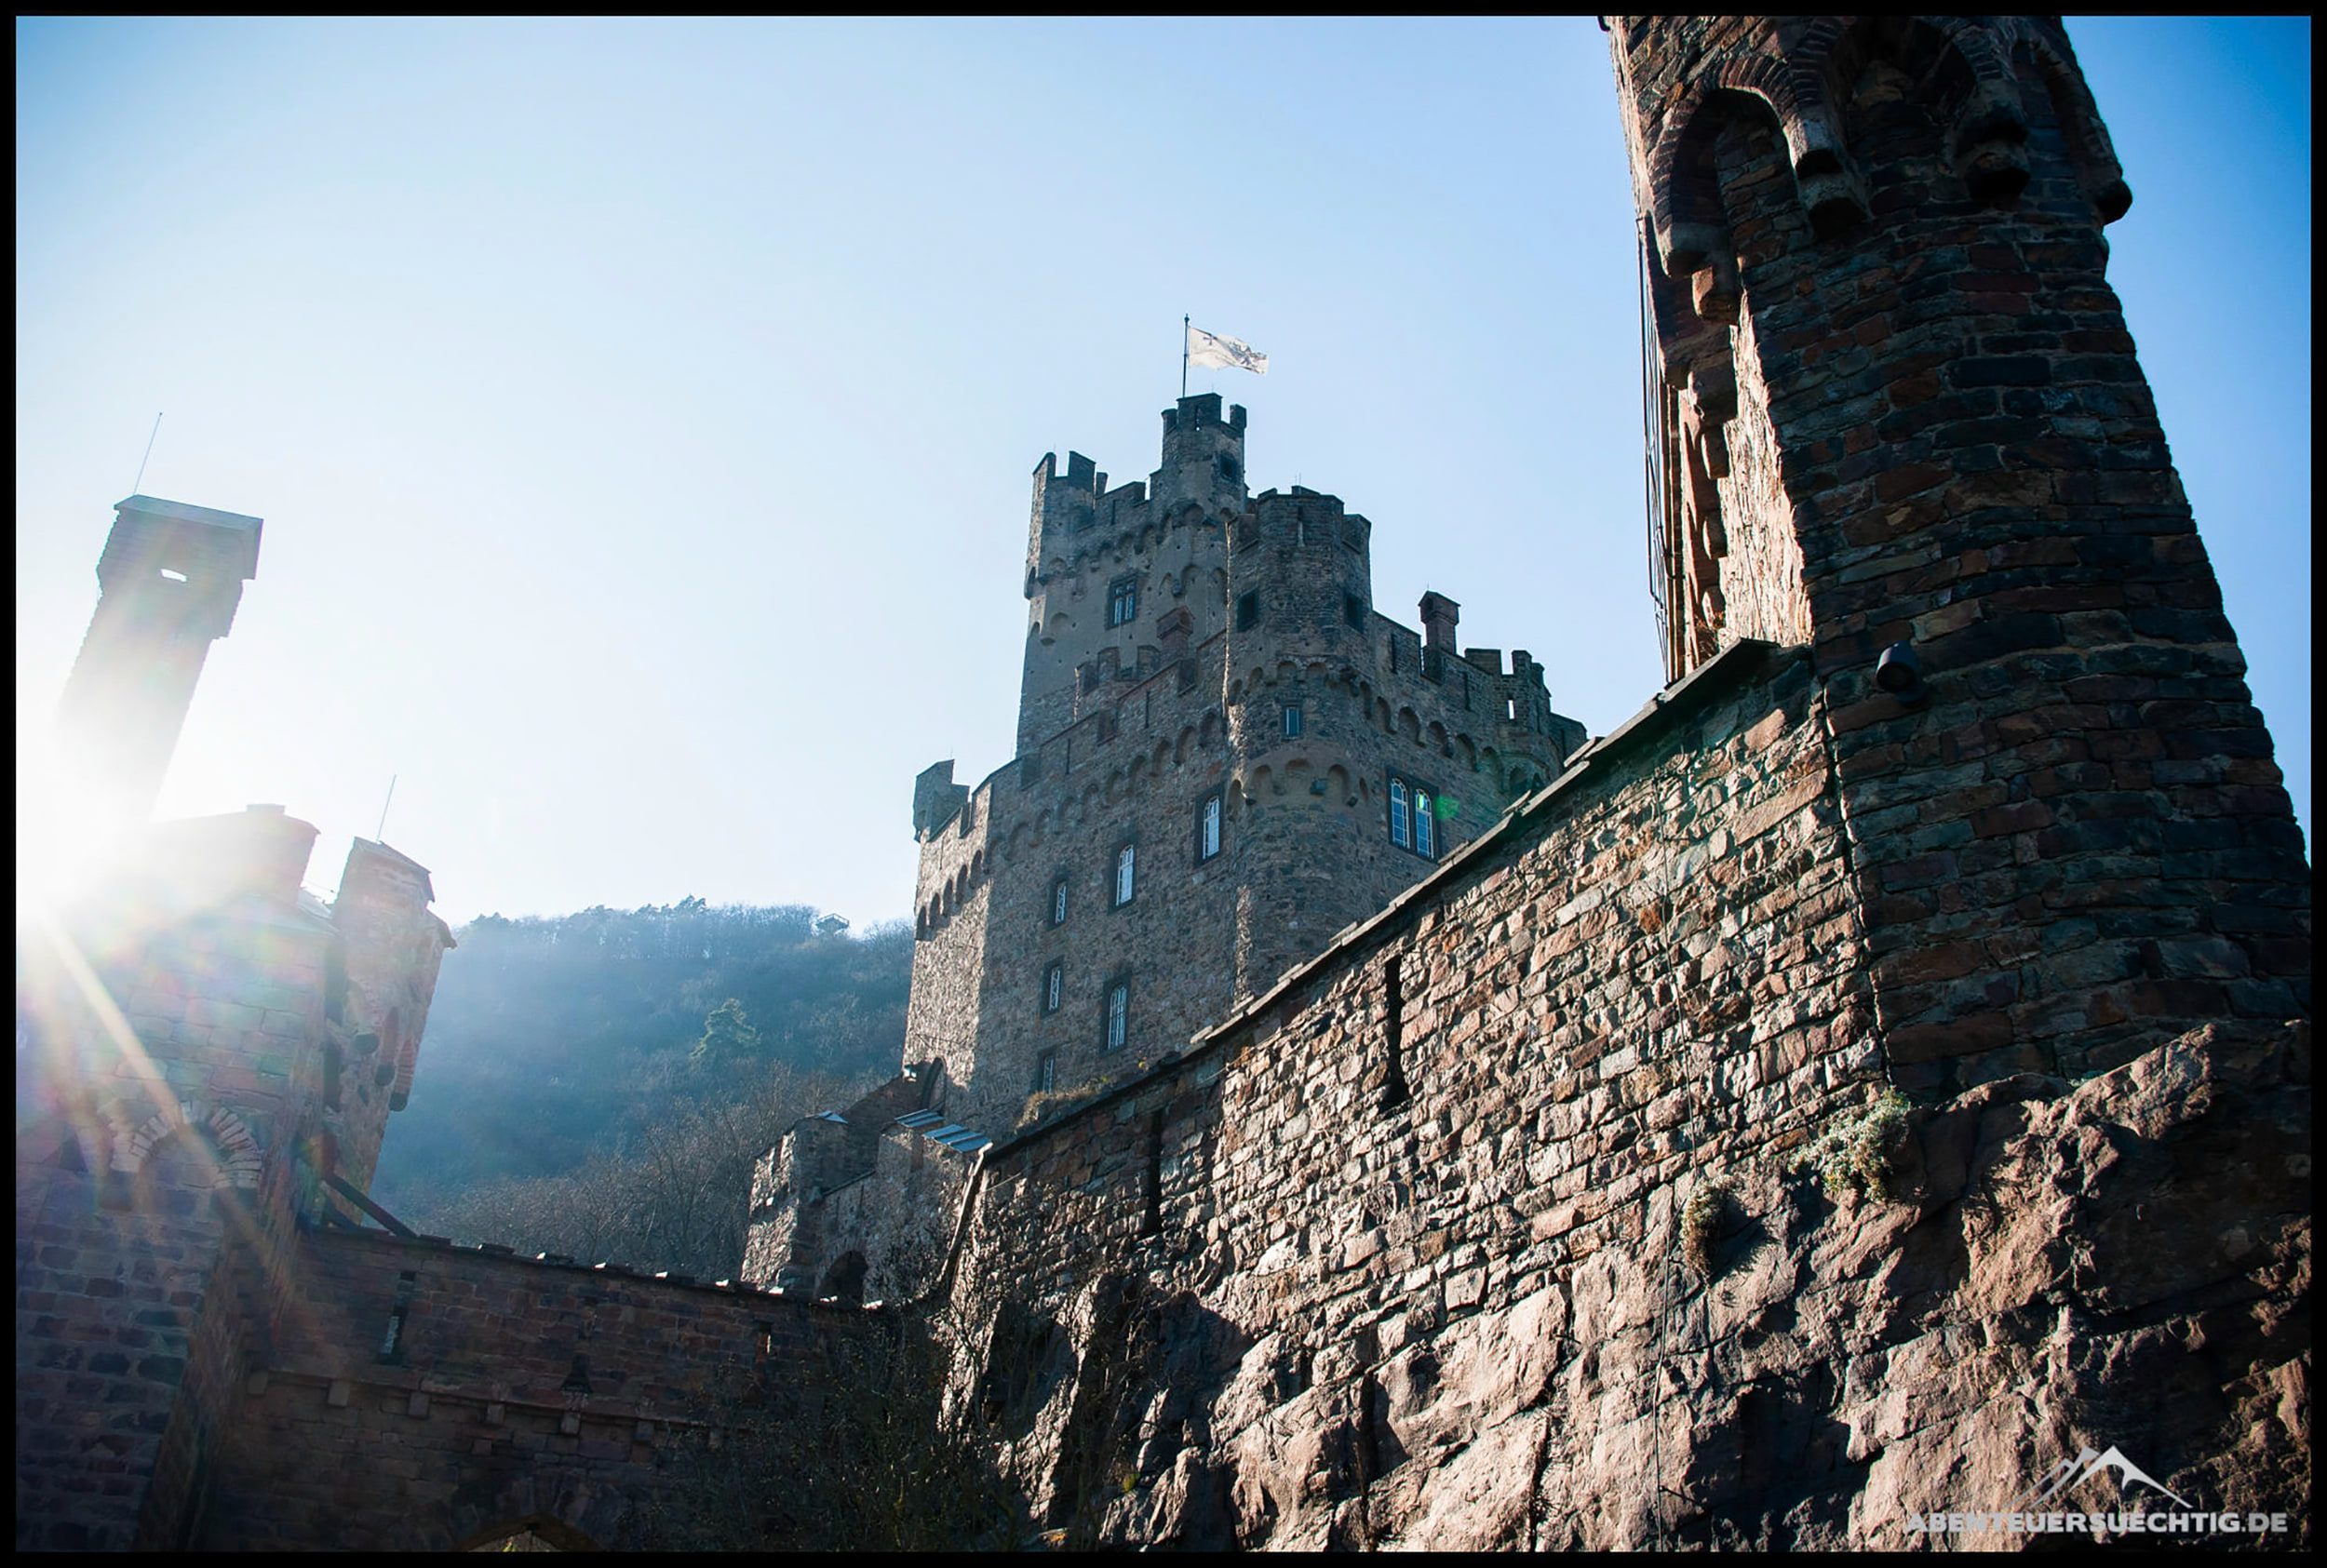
[[422, 1397], [1502, 1223]]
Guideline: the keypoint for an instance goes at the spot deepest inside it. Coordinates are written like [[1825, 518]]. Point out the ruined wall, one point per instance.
[[512, 1392], [1500, 1225]]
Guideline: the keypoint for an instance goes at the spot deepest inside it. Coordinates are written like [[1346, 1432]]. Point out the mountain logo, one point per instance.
[[2071, 1472]]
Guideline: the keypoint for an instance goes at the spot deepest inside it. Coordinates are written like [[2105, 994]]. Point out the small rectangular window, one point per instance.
[[1208, 827], [1249, 610], [1046, 1072], [1292, 720], [1398, 833], [1058, 902], [1122, 601], [1053, 986], [1123, 876], [1353, 611], [1118, 1014]]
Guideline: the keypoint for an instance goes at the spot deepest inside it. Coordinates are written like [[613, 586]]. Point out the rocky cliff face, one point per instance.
[[2028, 1270]]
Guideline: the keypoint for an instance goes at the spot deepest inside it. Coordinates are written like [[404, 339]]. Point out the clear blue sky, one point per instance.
[[642, 412]]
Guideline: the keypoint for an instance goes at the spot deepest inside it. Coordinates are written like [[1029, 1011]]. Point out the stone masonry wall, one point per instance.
[[1518, 1250], [517, 1392], [1673, 948]]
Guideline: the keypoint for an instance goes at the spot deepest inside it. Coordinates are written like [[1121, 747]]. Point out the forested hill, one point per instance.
[[555, 1041]]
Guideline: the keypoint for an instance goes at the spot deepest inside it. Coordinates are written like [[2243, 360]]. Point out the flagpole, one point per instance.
[[1183, 359]]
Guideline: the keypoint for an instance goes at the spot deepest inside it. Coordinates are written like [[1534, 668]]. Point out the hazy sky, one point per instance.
[[642, 413]]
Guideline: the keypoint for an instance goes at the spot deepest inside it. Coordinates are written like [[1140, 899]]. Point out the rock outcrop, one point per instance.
[[2044, 1268]]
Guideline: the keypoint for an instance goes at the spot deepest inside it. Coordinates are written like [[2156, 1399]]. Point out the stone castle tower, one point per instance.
[[171, 579], [1225, 756], [1903, 425]]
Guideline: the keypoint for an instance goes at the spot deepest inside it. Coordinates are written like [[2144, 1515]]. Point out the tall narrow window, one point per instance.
[[1398, 833], [1058, 902], [1053, 986], [1425, 825], [1249, 610], [1123, 876], [1122, 601], [1292, 720], [1208, 826], [1353, 611], [1118, 1013], [1045, 1072]]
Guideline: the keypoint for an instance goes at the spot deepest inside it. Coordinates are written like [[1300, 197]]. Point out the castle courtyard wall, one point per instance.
[[518, 1392], [1534, 1264]]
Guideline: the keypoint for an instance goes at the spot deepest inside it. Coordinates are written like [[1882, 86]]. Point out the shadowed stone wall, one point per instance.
[[512, 1392], [1530, 1246]]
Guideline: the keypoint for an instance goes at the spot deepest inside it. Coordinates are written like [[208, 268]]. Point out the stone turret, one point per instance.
[[1904, 425], [171, 579]]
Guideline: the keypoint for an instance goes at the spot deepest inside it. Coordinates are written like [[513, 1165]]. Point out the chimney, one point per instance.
[[1439, 615]]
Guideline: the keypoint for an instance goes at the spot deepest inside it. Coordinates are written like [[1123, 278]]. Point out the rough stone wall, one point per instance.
[[1761, 577], [518, 1391], [1526, 1248], [2075, 845]]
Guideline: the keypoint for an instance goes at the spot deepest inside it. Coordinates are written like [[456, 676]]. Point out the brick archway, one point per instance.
[[240, 1155]]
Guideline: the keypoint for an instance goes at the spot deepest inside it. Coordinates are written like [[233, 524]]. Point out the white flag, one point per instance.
[[1224, 354]]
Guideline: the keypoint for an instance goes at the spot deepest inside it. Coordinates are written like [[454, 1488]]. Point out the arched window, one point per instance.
[[1118, 1014], [1400, 834], [1123, 876]]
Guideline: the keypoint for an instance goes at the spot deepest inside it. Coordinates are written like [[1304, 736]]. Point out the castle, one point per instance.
[[1870, 1079], [1225, 755]]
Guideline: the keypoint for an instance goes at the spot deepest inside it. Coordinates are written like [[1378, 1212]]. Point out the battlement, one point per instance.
[[1192, 414]]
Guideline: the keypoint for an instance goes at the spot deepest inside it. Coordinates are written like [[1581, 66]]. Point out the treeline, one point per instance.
[[598, 1084]]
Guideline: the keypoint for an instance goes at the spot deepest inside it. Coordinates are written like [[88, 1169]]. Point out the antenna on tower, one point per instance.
[[383, 812], [135, 488]]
